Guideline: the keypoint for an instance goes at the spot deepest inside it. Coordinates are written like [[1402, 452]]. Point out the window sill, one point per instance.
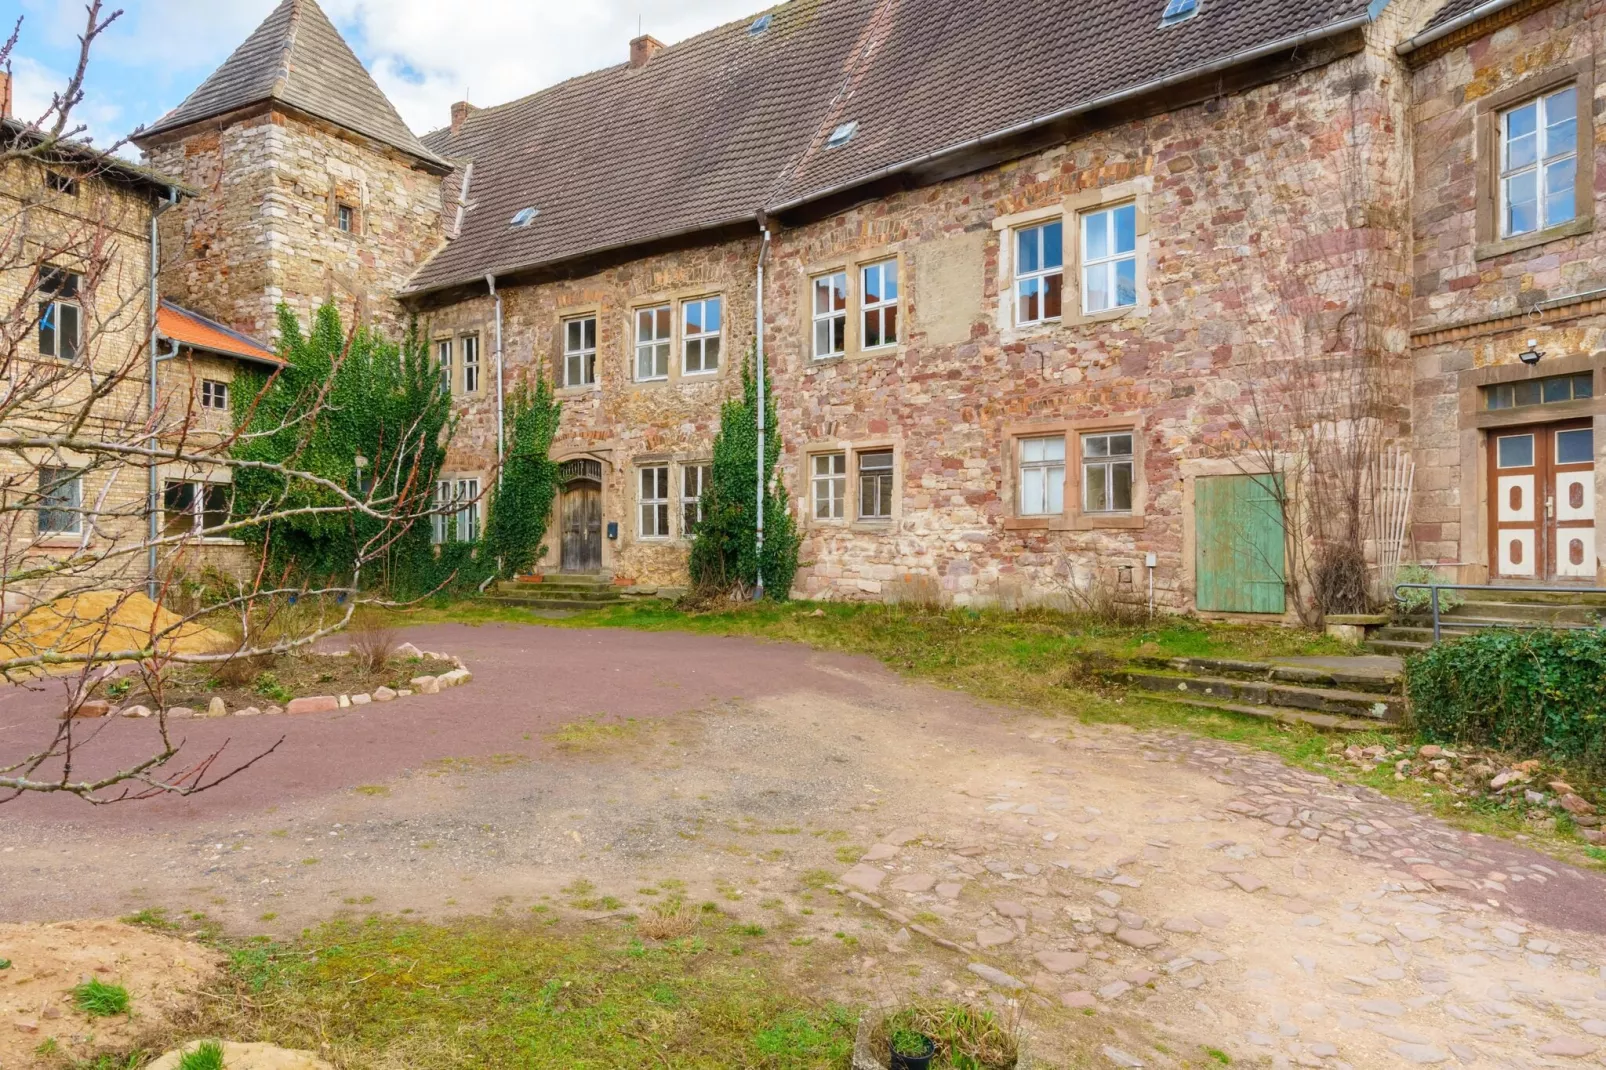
[[880, 526], [1108, 315], [1074, 522], [60, 542], [1488, 250], [577, 391]]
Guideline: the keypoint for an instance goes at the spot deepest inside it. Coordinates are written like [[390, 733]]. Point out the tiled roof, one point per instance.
[[178, 324], [1453, 9], [298, 58], [719, 127], [85, 157]]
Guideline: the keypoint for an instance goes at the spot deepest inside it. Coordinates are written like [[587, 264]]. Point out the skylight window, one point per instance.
[[1179, 11], [759, 25], [524, 217], [842, 135]]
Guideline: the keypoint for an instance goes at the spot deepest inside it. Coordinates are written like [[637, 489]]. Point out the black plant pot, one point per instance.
[[915, 1062]]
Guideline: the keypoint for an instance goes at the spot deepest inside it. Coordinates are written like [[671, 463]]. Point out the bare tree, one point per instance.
[[94, 549]]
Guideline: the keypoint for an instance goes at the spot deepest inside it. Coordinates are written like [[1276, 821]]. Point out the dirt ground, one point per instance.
[[1223, 899]]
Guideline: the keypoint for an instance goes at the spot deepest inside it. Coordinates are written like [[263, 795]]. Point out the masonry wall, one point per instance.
[[1268, 220], [1478, 300], [264, 227]]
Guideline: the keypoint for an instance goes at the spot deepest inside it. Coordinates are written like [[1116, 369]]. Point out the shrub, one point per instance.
[[1539, 693], [1414, 601], [373, 640]]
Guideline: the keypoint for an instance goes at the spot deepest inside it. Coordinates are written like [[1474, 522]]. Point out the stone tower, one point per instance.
[[310, 186]]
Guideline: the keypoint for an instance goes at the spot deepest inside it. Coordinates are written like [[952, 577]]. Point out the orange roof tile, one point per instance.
[[179, 324]]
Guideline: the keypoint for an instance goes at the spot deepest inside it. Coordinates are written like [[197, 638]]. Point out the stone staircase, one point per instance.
[[558, 592], [1345, 694], [1491, 608]]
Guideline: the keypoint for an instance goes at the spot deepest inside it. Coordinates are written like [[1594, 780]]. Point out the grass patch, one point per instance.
[[594, 734], [208, 1055], [505, 992], [98, 999]]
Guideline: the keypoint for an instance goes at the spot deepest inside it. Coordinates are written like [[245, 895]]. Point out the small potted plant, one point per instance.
[[911, 1050]]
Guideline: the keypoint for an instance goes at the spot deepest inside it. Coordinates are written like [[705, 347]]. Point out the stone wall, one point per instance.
[[264, 228], [1262, 236], [1477, 300]]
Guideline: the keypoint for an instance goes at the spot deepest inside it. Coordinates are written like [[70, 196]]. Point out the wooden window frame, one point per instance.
[[75, 507], [1110, 262], [1075, 517], [816, 478], [882, 307], [197, 510], [830, 315], [705, 470], [446, 365], [1023, 466], [890, 474], [214, 395], [1490, 242], [1041, 274], [665, 342], [470, 344]]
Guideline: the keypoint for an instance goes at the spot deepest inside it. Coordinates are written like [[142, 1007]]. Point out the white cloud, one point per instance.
[[34, 86]]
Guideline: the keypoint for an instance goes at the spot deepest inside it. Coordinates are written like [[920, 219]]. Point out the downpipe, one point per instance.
[[154, 359], [758, 333]]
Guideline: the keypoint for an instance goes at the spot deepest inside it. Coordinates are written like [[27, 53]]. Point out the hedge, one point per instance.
[[1539, 693]]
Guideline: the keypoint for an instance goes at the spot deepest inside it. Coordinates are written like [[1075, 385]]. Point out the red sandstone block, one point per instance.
[[313, 704]]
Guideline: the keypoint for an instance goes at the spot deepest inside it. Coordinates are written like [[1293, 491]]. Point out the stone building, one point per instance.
[[1053, 309]]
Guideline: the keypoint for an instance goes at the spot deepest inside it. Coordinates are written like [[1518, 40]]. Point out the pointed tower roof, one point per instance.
[[298, 58]]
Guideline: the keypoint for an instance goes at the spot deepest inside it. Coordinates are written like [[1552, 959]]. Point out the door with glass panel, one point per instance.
[[1542, 502]]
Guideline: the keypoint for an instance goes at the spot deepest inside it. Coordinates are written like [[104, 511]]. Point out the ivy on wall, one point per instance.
[[724, 555], [521, 502]]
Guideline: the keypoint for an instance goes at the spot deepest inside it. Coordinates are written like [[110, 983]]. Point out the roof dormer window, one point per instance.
[[842, 135], [524, 217], [1179, 11]]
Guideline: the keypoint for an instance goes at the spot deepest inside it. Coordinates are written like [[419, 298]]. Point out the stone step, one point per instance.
[[1398, 647], [1359, 678], [1327, 721], [556, 580], [1560, 596], [1422, 631], [584, 594], [1378, 707], [535, 604], [1524, 611]]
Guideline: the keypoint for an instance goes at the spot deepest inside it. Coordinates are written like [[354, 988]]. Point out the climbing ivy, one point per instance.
[[724, 556], [521, 502]]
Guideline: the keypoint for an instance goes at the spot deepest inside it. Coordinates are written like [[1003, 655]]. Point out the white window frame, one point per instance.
[[471, 363], [654, 335], [345, 218], [1041, 274], [700, 341], [214, 394], [457, 511], [443, 359], [653, 497], [582, 357], [693, 485], [1542, 162], [1045, 475], [47, 516], [879, 310], [197, 511], [882, 476], [1109, 265], [829, 485], [833, 321], [57, 310], [1109, 462]]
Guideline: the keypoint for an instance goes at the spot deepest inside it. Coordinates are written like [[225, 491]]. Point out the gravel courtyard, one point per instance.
[[1220, 897]]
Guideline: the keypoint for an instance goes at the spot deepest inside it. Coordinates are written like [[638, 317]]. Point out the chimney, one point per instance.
[[644, 48], [461, 111], [5, 94]]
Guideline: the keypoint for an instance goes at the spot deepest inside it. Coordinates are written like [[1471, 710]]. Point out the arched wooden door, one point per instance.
[[582, 516]]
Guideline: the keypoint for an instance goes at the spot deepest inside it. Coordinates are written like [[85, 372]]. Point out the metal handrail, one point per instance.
[[1435, 588]]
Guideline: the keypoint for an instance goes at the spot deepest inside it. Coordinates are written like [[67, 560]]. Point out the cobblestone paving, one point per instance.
[[1298, 921]]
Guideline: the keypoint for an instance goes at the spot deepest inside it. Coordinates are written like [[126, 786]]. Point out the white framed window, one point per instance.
[[875, 485], [346, 218], [1110, 258], [456, 517], [580, 351], [1039, 272], [830, 315], [654, 502], [1539, 163], [879, 302], [693, 484], [830, 485], [214, 394], [443, 360], [192, 507], [701, 321], [1107, 472], [1042, 475], [60, 320], [652, 343], [471, 364], [60, 510]]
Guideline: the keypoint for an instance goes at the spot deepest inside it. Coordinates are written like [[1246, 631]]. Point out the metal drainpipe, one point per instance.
[[152, 477], [490, 282], [758, 332]]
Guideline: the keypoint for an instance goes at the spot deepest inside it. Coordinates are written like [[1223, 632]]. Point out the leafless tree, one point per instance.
[[94, 550]]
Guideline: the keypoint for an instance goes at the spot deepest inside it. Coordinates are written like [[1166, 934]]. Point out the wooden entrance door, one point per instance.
[[1239, 550], [1542, 502], [582, 528]]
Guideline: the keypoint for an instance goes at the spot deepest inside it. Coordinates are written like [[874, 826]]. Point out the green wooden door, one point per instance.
[[1239, 548]]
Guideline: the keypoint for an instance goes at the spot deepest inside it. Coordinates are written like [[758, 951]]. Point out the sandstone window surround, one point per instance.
[[702, 323], [579, 368], [1562, 137], [652, 502], [1097, 272], [653, 342], [856, 306], [854, 485], [343, 208], [1097, 488], [690, 322]]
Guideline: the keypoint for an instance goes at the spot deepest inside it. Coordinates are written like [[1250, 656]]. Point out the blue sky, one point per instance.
[[424, 53]]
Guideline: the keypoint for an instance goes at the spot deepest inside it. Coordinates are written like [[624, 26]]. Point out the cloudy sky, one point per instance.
[[424, 53]]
